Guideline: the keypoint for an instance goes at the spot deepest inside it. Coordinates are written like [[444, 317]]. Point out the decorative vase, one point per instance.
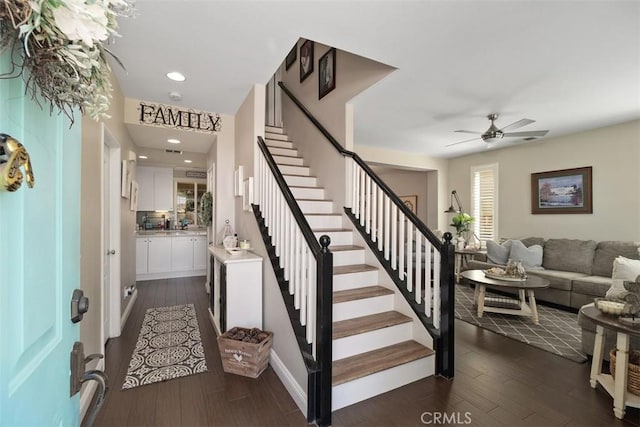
[[460, 243], [515, 268]]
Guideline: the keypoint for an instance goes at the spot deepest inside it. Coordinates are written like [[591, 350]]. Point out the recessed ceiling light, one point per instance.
[[173, 141], [187, 161], [142, 157], [176, 76], [175, 96]]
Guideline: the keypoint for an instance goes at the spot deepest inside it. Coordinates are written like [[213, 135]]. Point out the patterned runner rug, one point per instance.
[[169, 346], [557, 333]]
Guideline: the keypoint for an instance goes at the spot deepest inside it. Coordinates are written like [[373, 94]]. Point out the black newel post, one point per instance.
[[324, 318], [445, 354]]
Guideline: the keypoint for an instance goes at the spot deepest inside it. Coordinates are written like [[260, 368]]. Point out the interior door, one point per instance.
[[39, 264], [106, 233]]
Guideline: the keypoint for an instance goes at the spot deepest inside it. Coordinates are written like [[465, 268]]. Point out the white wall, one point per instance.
[[614, 154], [222, 156], [438, 193], [250, 122], [407, 183]]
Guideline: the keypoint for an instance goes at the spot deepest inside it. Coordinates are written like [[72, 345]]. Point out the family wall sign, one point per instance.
[[147, 113]]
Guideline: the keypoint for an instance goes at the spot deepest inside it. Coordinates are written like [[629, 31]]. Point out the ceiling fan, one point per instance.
[[493, 134]]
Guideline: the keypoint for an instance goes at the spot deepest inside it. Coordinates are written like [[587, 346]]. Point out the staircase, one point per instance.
[[374, 346]]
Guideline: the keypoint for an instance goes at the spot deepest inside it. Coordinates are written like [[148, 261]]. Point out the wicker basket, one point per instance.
[[633, 370]]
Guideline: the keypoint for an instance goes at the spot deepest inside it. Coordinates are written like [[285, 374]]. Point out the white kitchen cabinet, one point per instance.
[[159, 254], [168, 255], [153, 255], [200, 253], [155, 188], [142, 257], [235, 298], [189, 253]]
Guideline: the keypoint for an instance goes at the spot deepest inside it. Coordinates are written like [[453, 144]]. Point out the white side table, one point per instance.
[[616, 387]]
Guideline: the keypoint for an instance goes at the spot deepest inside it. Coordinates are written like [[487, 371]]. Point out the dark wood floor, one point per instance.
[[499, 382]]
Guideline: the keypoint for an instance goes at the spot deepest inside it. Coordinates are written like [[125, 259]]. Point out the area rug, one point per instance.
[[557, 333], [169, 346]]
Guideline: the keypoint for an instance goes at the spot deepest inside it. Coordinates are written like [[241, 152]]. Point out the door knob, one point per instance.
[[111, 252]]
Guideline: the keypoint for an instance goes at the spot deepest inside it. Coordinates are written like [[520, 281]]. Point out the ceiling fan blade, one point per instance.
[[468, 131], [525, 134], [462, 142], [515, 125]]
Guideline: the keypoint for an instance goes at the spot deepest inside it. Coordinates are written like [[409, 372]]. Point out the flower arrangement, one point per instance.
[[461, 222], [58, 48]]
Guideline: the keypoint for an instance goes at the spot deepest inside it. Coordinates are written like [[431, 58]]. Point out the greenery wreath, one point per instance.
[[57, 46], [206, 208]]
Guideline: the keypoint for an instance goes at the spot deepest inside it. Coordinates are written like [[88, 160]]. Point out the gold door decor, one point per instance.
[[13, 156]]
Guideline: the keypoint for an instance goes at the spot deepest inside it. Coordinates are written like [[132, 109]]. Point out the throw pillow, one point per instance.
[[531, 256], [498, 254], [623, 269]]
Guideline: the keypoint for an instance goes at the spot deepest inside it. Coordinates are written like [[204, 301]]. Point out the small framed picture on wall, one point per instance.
[[327, 73], [306, 60]]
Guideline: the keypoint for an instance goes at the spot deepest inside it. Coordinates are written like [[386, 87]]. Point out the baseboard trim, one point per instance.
[[127, 310], [87, 392], [297, 393]]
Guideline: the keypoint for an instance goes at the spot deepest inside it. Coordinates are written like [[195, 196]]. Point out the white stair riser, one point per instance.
[[324, 221], [301, 181], [312, 193], [362, 307], [273, 129], [372, 385], [275, 135], [360, 343], [337, 237], [294, 170], [355, 256], [271, 143], [275, 151], [315, 206], [342, 282], [282, 160]]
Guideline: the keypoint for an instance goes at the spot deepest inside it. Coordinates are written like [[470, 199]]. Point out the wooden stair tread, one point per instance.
[[372, 322], [328, 230], [306, 186], [352, 268], [361, 365], [360, 293], [284, 155], [297, 176], [339, 248]]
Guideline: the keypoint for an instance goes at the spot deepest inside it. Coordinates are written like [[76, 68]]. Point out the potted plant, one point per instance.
[[461, 222]]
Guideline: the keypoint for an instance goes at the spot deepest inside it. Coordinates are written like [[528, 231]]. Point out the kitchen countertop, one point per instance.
[[171, 233]]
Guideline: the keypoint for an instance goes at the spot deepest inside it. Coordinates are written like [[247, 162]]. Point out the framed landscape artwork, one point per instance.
[[327, 73], [566, 191], [306, 59], [411, 202]]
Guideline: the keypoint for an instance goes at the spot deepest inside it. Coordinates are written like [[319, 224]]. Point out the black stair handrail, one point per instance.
[[319, 379], [433, 239], [305, 228], [444, 340]]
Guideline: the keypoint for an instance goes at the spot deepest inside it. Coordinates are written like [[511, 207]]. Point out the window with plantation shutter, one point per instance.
[[484, 201]]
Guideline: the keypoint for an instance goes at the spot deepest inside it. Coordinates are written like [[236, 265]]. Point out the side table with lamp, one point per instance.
[[461, 222]]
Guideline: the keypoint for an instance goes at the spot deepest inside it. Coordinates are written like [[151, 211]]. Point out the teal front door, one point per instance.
[[39, 264]]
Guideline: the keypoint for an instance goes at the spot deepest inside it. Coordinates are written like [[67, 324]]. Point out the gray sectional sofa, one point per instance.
[[578, 272]]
